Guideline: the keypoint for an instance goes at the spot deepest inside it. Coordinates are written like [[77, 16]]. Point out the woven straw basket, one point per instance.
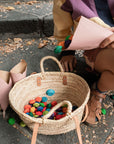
[[69, 88]]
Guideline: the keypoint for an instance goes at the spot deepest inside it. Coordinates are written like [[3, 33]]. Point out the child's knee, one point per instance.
[[105, 60]]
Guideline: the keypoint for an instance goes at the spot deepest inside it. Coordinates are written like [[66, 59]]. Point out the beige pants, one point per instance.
[[63, 23]]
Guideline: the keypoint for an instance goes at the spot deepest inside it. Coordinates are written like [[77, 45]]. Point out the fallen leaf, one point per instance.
[[45, 41], [17, 3], [87, 141], [46, 68], [37, 6], [52, 38], [18, 45], [94, 136], [31, 2], [33, 40], [41, 45], [54, 43], [105, 131], [9, 8], [29, 43], [17, 40]]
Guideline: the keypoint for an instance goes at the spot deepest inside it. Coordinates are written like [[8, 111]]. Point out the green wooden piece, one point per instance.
[[11, 121], [67, 38], [58, 49], [103, 111]]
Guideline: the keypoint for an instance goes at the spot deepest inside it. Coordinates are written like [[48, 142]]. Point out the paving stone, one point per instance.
[[10, 135], [48, 25], [25, 18]]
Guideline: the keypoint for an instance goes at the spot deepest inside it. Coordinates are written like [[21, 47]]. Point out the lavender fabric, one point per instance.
[[86, 8]]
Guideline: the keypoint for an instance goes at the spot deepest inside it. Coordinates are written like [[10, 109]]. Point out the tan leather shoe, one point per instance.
[[94, 108]]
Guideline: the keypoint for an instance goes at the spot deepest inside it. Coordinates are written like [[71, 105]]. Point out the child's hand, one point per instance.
[[111, 29], [108, 42], [68, 62]]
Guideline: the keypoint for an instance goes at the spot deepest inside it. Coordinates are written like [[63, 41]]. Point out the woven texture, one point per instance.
[[76, 92]]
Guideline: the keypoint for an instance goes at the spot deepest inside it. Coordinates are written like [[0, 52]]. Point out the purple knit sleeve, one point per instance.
[[67, 6], [80, 8]]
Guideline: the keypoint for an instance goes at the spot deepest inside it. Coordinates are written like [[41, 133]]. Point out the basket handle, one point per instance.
[[69, 109], [78, 130], [36, 125], [35, 131], [86, 113], [53, 58], [77, 123]]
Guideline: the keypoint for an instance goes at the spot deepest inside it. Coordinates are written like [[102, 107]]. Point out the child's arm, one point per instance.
[[63, 24], [68, 60], [62, 21]]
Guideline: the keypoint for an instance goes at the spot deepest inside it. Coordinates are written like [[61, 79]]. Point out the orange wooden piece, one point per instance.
[[70, 38], [27, 106], [38, 99], [31, 101], [64, 109], [26, 110], [62, 44]]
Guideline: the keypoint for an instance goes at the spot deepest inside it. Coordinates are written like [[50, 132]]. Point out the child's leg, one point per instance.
[[62, 21], [106, 81], [105, 65]]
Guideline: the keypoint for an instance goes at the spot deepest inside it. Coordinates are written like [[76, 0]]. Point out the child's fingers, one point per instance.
[[66, 66], [71, 66], [107, 41], [111, 45], [112, 29], [62, 63], [74, 62], [63, 66]]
